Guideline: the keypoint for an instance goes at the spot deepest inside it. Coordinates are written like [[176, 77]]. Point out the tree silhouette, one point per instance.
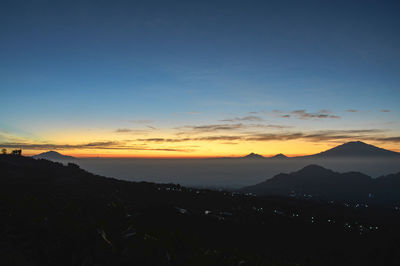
[[4, 151], [16, 152]]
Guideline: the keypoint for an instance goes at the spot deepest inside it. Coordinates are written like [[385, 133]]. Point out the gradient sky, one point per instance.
[[198, 78]]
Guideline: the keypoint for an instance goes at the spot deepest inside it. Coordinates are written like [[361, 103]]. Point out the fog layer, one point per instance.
[[226, 173]]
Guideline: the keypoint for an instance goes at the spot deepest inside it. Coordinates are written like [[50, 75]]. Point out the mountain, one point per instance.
[[53, 155], [253, 156], [279, 156], [352, 149], [356, 149], [317, 181]]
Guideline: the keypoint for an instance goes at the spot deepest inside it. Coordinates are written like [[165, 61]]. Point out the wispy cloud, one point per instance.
[[135, 131], [164, 139], [226, 127], [251, 118], [388, 139], [123, 130], [8, 137], [303, 114], [52, 146], [211, 128], [385, 111], [351, 110], [100, 145], [314, 136], [206, 138]]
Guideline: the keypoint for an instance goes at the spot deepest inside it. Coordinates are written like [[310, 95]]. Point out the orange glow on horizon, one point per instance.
[[189, 149], [172, 156]]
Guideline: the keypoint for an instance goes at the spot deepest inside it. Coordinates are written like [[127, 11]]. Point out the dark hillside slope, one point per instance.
[[51, 214], [318, 182]]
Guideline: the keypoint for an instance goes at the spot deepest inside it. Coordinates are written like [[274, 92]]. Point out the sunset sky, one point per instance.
[[198, 78]]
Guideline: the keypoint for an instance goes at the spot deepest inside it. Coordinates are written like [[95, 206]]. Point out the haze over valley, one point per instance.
[[237, 172]]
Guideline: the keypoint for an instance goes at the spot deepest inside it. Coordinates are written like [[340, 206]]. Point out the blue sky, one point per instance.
[[94, 65]]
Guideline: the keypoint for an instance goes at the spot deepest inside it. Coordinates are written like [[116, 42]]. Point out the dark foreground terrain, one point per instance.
[[52, 214]]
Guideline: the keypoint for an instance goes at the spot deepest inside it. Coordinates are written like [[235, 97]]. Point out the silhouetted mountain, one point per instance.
[[356, 149], [253, 156], [316, 181], [53, 155], [353, 149], [279, 156]]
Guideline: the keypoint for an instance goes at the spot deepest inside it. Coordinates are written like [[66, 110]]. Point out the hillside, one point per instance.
[[51, 214], [316, 181]]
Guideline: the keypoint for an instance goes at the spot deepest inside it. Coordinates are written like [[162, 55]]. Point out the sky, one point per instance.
[[198, 78]]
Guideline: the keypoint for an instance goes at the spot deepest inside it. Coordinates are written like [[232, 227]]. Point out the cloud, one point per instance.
[[331, 135], [211, 128], [226, 127], [269, 137], [136, 131], [385, 111], [220, 138], [351, 110], [164, 140], [207, 138], [52, 146], [123, 130], [315, 136], [388, 139], [141, 121], [101, 145], [246, 118], [303, 114]]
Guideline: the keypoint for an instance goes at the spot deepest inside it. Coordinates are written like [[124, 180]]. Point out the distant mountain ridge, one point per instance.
[[356, 149], [53, 155], [317, 181], [258, 156], [254, 156], [279, 156]]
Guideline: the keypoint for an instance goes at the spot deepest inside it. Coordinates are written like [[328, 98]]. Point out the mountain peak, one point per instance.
[[253, 156], [357, 149], [313, 169], [279, 156], [50, 153], [53, 155]]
